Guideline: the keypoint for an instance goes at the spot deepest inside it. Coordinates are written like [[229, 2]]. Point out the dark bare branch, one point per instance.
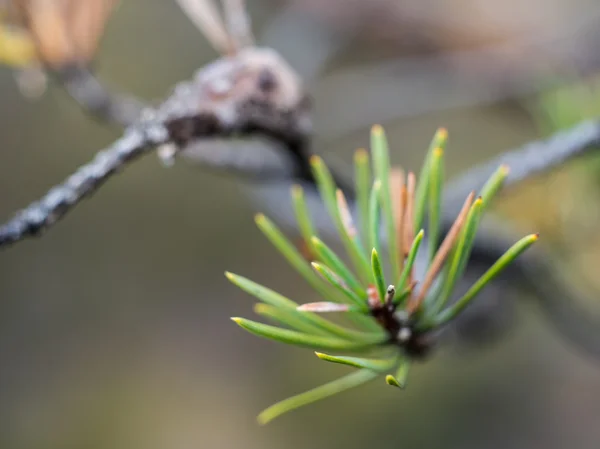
[[60, 199], [226, 98]]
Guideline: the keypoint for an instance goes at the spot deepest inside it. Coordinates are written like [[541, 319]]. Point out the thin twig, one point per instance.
[[62, 198], [225, 98]]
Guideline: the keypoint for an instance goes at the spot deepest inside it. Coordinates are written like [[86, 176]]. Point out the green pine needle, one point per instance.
[[506, 259], [381, 164], [327, 189], [494, 184], [439, 141], [337, 265], [402, 296], [293, 256], [307, 340], [378, 275], [305, 225], [338, 283], [461, 254], [289, 251], [273, 298], [375, 231], [289, 317], [377, 365], [399, 380], [362, 170], [260, 292], [436, 182], [401, 285], [345, 383]]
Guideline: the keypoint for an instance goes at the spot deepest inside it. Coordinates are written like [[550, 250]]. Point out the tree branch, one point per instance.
[[87, 179], [226, 98]]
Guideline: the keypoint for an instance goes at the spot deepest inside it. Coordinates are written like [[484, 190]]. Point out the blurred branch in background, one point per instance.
[[445, 72], [464, 61], [570, 225]]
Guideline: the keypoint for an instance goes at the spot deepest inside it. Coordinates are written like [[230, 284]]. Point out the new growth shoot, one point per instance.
[[392, 313]]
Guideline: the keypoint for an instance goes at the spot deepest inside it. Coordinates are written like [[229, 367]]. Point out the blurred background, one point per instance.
[[114, 327]]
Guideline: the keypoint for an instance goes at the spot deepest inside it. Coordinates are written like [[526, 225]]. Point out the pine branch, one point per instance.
[[561, 302], [252, 93], [87, 179]]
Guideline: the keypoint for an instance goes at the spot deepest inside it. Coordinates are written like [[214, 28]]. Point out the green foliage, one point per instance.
[[392, 321]]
